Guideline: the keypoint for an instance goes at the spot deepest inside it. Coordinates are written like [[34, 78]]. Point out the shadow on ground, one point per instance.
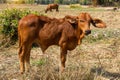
[[106, 74]]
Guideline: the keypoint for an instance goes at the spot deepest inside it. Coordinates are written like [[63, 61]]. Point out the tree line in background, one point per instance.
[[83, 2]]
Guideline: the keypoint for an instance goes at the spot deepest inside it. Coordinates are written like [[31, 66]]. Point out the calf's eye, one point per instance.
[[82, 20]]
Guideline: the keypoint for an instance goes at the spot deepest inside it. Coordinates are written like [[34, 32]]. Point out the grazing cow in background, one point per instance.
[[66, 32], [52, 6]]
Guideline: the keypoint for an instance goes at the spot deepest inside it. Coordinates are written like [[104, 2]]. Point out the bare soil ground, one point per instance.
[[97, 58]]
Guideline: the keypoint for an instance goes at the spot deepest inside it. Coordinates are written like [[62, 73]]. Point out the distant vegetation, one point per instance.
[[83, 2]]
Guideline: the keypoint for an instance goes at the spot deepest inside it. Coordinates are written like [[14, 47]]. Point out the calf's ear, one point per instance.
[[71, 19], [98, 23]]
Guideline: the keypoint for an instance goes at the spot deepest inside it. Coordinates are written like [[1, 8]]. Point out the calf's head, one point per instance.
[[84, 21], [82, 24]]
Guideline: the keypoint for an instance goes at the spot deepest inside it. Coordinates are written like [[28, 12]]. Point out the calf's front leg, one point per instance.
[[63, 55]]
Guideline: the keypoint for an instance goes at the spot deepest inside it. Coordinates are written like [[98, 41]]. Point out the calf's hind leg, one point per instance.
[[27, 58], [21, 58], [24, 56]]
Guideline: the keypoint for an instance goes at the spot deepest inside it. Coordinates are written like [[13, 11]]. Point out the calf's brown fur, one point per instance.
[[66, 33]]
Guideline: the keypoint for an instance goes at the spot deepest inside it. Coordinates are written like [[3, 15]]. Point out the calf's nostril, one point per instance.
[[87, 32]]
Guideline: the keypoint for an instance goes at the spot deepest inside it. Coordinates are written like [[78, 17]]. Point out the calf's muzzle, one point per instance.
[[87, 32]]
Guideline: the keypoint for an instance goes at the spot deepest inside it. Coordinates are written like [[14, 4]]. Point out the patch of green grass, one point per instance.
[[40, 62], [75, 6], [102, 35]]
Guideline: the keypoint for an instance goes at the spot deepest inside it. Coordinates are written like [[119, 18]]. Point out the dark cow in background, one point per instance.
[[66, 32], [52, 6]]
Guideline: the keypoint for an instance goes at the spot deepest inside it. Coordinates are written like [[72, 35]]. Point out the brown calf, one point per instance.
[[52, 6], [66, 33]]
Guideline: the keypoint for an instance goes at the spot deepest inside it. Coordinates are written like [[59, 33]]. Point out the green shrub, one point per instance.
[[9, 21]]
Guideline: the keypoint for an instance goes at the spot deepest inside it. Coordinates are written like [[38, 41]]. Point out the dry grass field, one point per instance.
[[97, 58]]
